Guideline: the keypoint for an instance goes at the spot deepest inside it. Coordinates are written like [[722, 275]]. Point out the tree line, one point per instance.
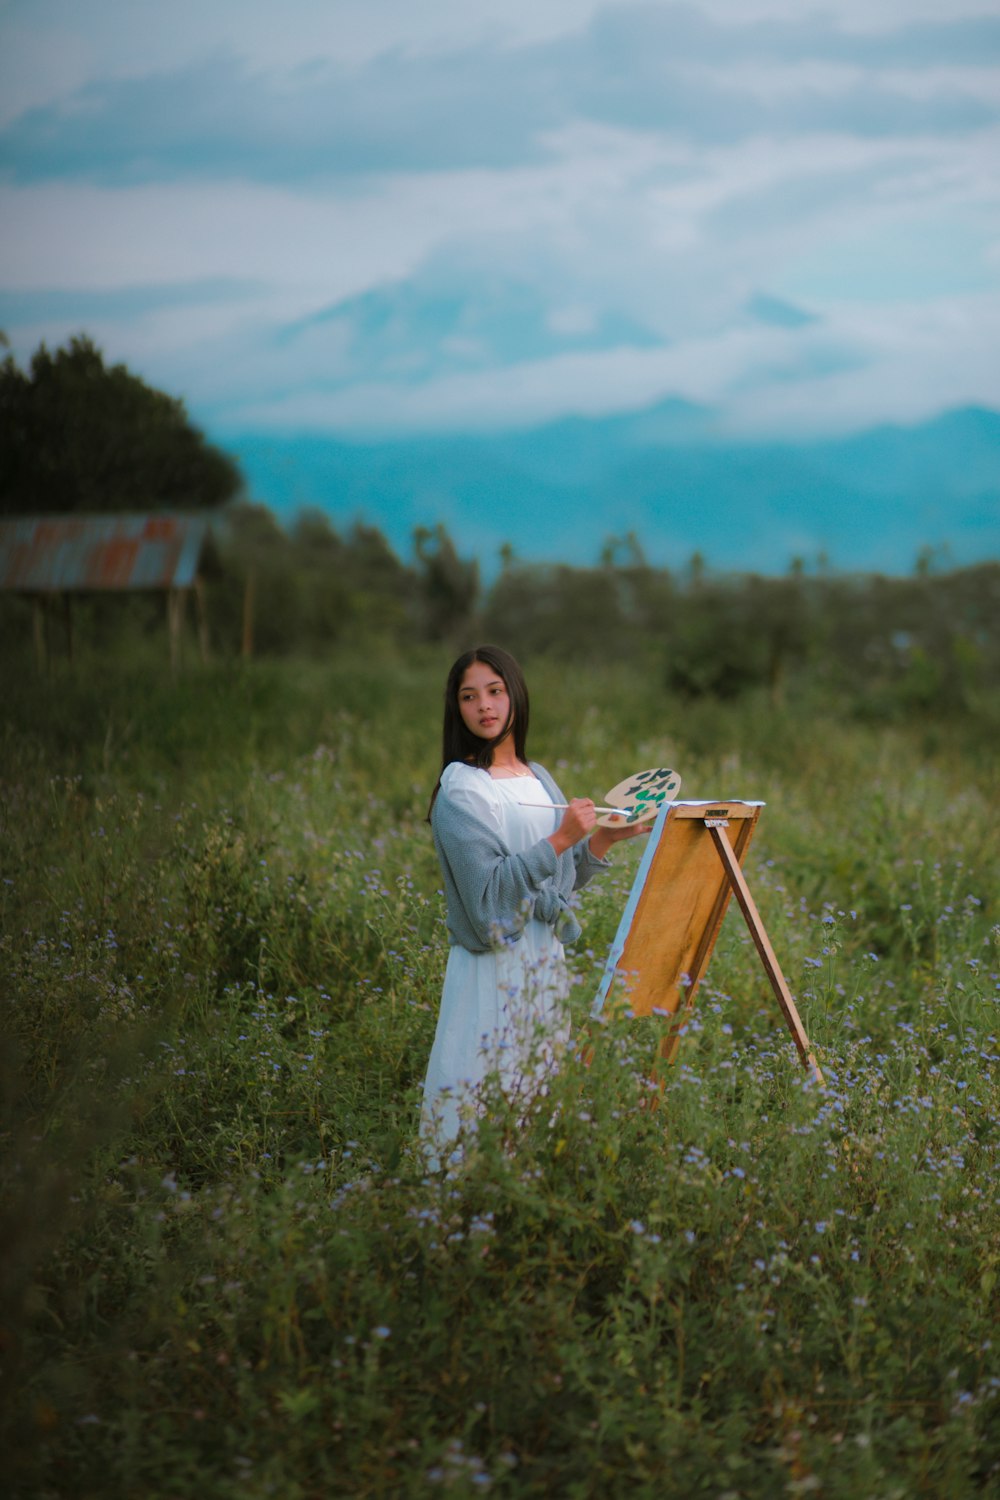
[[930, 640], [76, 435]]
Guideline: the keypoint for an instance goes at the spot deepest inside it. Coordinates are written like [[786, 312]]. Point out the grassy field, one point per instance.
[[227, 1271]]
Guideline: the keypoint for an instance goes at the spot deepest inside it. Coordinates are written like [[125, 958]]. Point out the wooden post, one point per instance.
[[175, 620], [202, 613], [39, 622], [68, 620], [248, 609]]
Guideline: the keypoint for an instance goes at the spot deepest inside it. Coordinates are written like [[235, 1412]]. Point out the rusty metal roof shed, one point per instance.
[[120, 551]]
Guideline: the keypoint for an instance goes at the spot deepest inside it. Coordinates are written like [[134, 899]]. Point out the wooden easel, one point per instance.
[[691, 866]]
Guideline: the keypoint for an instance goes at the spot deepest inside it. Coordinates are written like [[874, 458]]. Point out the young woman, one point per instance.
[[511, 862]]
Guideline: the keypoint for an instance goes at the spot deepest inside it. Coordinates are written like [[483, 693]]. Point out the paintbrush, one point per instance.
[[617, 812]]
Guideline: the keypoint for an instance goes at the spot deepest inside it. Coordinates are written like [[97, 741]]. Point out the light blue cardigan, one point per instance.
[[490, 892]]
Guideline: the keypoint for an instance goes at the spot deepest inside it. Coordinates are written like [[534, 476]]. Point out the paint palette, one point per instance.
[[641, 795]]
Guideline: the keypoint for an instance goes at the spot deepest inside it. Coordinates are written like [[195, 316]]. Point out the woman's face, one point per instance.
[[483, 700]]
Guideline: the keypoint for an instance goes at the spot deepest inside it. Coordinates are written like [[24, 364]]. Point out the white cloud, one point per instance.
[[619, 200], [916, 361], [761, 380], [315, 247], [864, 16]]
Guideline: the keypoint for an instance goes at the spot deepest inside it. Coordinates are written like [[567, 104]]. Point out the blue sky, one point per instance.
[[374, 216]]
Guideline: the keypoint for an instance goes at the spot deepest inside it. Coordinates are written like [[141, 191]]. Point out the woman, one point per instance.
[[511, 862]]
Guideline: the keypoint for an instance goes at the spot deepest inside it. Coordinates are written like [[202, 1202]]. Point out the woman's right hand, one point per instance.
[[577, 822]]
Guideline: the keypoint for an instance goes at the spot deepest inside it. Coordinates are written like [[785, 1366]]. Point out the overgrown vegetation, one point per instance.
[[885, 648], [227, 1270]]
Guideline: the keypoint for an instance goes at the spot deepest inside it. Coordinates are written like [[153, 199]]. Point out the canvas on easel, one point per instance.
[[692, 865]]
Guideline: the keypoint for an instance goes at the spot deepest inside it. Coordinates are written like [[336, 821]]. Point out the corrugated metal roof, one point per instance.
[[57, 554]]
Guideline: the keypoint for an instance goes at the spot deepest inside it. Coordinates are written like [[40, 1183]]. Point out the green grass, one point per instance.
[[227, 1270]]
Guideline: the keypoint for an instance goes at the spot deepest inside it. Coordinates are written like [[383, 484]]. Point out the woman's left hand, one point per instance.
[[604, 835]]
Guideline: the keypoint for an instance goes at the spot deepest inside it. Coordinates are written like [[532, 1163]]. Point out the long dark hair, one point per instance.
[[457, 741]]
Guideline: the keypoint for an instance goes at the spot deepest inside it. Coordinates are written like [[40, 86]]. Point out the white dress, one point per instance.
[[503, 1011]]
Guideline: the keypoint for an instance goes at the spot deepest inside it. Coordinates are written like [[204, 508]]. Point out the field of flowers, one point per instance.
[[227, 1270]]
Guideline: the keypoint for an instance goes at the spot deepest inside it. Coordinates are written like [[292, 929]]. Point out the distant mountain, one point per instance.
[[444, 320], [870, 501]]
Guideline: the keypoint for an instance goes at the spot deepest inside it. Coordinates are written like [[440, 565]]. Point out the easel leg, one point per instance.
[[748, 907]]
